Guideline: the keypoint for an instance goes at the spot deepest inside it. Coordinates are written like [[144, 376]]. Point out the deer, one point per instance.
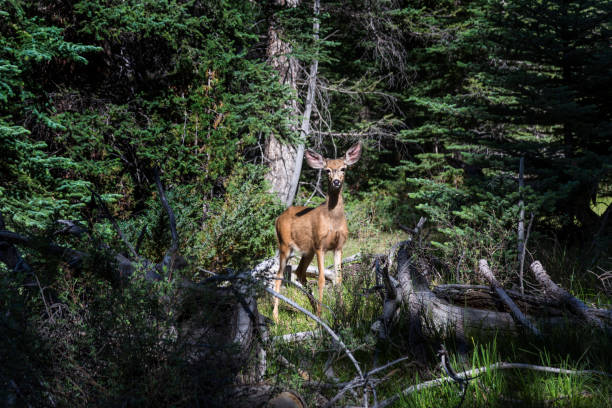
[[314, 231]]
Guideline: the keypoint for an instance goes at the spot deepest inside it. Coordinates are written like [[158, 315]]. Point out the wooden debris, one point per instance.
[[563, 296], [486, 272]]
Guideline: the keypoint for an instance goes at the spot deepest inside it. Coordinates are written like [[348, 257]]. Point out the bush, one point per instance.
[[240, 227]]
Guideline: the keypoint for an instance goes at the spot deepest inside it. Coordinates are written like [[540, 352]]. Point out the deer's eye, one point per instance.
[[328, 171]]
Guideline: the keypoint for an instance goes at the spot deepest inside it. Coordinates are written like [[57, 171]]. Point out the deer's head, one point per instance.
[[334, 168]]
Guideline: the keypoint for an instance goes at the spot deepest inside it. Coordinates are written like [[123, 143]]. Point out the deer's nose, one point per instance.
[[336, 183]]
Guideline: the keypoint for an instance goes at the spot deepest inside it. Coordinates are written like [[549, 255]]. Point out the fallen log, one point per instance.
[[431, 314], [486, 272], [483, 297], [563, 296], [460, 290], [295, 337], [266, 269]]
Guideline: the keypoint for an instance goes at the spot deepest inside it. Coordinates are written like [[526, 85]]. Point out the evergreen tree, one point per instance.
[[30, 191], [552, 69]]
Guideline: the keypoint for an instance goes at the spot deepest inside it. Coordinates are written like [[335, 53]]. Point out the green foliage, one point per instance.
[[30, 193], [212, 107], [551, 103], [240, 226]]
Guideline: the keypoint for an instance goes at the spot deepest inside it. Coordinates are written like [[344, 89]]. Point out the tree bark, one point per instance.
[[521, 222], [563, 296], [281, 157]]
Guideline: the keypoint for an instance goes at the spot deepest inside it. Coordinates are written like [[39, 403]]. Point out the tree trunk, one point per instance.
[[281, 157]]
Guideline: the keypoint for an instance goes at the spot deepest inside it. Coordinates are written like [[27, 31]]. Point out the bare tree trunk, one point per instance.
[[305, 129], [521, 223], [281, 157]]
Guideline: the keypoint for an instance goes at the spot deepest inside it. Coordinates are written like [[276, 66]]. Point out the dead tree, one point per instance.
[[480, 311]]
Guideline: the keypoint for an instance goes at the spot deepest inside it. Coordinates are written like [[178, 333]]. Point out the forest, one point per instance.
[[148, 148]]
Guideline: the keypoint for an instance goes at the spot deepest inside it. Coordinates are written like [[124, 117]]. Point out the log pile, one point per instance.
[[477, 310]]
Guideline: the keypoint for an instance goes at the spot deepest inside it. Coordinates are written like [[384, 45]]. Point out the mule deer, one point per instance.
[[313, 231]]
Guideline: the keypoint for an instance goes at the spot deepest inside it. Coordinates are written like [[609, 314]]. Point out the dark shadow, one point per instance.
[[304, 212]]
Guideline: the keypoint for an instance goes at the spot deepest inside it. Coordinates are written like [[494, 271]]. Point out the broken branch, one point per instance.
[[563, 296], [168, 260], [486, 272], [323, 324]]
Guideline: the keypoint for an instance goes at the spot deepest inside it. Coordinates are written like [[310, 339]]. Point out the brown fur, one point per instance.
[[313, 231]]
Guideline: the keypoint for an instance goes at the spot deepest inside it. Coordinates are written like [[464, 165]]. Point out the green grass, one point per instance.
[[517, 387]]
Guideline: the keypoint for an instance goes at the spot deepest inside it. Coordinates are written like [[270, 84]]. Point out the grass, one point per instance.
[[517, 387]]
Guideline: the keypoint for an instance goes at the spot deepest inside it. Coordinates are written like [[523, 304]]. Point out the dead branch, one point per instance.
[[476, 371], [308, 105], [605, 278], [428, 312], [69, 255], [384, 367], [294, 337], [302, 373], [313, 272], [72, 227], [459, 290], [265, 271], [486, 272], [563, 296], [10, 255], [522, 254], [304, 290], [140, 238], [74, 258], [169, 258], [391, 303]]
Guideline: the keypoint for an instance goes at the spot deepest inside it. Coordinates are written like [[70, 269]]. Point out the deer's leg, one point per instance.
[[301, 269], [301, 274], [320, 259], [283, 254], [338, 265]]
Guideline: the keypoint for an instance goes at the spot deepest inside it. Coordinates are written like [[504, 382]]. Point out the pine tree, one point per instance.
[[551, 71]]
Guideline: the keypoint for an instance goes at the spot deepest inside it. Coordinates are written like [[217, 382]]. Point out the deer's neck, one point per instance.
[[334, 203]]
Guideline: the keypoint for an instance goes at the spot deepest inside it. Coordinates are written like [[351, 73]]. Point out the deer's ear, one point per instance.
[[353, 154], [314, 159]]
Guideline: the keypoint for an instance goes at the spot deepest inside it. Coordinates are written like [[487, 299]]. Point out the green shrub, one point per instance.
[[240, 227]]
